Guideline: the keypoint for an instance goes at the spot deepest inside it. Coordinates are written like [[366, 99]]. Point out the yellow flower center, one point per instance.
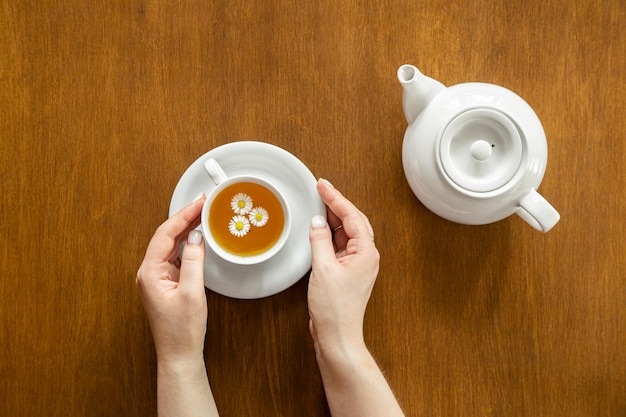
[[259, 216], [239, 225], [241, 204]]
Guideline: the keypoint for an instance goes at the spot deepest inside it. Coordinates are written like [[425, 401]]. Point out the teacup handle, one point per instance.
[[537, 212], [215, 171]]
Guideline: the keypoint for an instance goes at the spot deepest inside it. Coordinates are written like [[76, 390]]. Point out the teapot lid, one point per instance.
[[481, 149]]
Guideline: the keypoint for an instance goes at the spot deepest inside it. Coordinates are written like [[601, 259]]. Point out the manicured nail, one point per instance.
[[198, 197], [327, 182], [195, 237], [318, 222]]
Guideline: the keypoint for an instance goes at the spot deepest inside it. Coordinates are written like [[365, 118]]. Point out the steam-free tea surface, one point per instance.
[[246, 219]]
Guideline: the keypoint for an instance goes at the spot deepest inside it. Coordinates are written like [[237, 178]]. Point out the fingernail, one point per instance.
[[198, 197], [195, 237], [327, 182], [318, 222]]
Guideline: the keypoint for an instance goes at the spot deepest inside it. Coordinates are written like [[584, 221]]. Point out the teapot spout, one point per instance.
[[419, 90]]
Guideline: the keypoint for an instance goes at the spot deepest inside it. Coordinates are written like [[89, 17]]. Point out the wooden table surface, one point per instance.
[[103, 106]]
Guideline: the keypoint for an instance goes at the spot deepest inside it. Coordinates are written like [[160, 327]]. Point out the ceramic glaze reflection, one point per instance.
[[246, 219]]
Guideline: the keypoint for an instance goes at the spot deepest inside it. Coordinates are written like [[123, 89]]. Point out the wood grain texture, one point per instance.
[[103, 106]]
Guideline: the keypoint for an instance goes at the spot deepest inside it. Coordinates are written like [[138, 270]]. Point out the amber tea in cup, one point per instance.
[[245, 219]]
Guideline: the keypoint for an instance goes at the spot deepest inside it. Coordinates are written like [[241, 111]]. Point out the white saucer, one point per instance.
[[298, 186]]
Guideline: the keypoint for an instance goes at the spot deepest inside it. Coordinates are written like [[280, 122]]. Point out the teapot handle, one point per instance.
[[537, 212]]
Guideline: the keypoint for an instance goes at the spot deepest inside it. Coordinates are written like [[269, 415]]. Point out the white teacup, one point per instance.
[[245, 219]]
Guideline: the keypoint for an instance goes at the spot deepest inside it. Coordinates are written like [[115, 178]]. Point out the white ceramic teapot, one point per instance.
[[474, 153]]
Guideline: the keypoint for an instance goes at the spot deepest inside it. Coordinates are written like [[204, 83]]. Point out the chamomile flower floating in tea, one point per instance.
[[258, 216], [239, 226], [241, 203], [246, 218]]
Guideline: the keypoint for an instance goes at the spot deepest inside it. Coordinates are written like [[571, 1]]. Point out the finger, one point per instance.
[[339, 235], [191, 277], [333, 220], [322, 250], [370, 229], [165, 241], [355, 223]]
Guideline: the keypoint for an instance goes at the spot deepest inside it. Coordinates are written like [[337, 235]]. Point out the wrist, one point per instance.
[[344, 352], [180, 366], [173, 353]]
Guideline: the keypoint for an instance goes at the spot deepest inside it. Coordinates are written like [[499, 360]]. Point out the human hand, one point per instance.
[[344, 269], [172, 290]]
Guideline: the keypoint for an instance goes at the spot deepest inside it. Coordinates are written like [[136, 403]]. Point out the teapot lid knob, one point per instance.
[[481, 150]]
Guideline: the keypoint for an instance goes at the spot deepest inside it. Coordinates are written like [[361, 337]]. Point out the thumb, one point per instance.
[[322, 250], [192, 263]]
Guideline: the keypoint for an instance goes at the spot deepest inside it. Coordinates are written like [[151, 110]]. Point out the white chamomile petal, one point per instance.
[[241, 203], [258, 216], [238, 226]]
